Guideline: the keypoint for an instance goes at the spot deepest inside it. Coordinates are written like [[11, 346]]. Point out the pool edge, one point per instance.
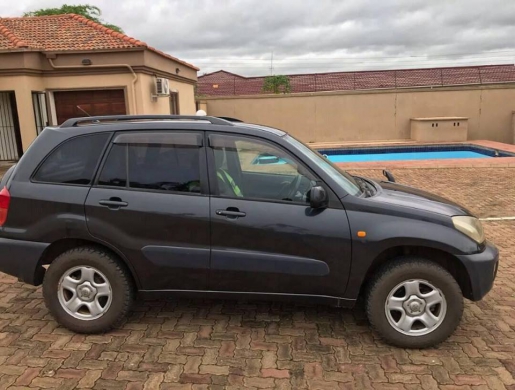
[[502, 162]]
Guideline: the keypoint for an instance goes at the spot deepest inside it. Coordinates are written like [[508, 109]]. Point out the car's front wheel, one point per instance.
[[87, 290], [414, 303]]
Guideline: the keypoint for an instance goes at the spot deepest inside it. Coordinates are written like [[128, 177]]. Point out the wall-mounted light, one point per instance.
[[177, 70], [86, 61]]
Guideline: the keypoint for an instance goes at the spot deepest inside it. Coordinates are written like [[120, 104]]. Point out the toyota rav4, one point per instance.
[[101, 208]]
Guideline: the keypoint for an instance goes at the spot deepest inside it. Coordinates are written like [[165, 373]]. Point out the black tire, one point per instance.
[[404, 269], [120, 281]]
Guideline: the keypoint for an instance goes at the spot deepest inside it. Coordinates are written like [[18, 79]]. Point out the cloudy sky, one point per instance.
[[312, 35]]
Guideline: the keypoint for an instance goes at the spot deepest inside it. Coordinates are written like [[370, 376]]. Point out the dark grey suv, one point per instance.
[[101, 208]]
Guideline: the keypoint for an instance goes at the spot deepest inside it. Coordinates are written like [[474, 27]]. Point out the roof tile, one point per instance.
[[70, 32], [222, 83]]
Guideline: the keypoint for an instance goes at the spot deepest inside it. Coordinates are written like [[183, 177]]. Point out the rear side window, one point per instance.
[[164, 167], [114, 173], [74, 161], [170, 164]]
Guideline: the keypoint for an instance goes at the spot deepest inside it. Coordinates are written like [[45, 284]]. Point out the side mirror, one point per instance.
[[318, 197]]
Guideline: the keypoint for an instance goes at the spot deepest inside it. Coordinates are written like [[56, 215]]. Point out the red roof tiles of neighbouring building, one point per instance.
[[61, 33], [221, 75], [222, 83]]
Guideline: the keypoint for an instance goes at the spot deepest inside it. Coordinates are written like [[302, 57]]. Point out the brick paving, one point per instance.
[[213, 344]]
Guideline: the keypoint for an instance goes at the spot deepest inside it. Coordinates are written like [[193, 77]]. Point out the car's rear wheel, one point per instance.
[[87, 290], [414, 303]]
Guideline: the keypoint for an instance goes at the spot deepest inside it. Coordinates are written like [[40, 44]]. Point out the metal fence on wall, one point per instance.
[[342, 81]]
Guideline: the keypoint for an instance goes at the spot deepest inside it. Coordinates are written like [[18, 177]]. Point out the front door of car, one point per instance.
[[265, 237], [151, 202]]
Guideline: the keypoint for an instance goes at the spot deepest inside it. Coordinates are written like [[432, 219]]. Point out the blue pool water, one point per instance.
[[412, 152], [394, 153], [429, 155]]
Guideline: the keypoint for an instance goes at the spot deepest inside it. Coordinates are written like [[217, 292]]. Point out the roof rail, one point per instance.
[[73, 122], [229, 119]]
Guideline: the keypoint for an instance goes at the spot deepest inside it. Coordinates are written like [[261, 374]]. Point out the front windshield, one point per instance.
[[338, 175]]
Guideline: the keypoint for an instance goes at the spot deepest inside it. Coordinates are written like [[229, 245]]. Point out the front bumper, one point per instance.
[[482, 270], [21, 259]]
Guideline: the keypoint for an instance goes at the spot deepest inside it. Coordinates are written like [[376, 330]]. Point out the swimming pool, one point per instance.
[[419, 152]]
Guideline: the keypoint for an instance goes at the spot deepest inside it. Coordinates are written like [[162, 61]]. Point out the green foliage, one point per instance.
[[277, 84], [88, 11]]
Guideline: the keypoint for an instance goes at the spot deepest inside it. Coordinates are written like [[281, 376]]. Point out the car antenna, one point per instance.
[[84, 111]]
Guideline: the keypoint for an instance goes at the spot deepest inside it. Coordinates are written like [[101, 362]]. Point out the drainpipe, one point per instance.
[[134, 78]]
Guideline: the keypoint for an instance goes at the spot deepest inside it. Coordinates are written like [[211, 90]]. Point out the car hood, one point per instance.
[[400, 195]]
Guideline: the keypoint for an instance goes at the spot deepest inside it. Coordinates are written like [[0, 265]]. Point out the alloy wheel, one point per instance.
[[85, 293], [415, 307]]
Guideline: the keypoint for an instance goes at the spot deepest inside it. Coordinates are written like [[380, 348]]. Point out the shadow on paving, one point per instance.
[[219, 344]]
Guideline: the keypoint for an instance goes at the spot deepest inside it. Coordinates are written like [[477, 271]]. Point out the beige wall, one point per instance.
[[138, 99], [375, 115], [25, 72], [23, 87], [443, 129], [147, 104], [161, 104], [186, 97], [513, 125], [156, 61]]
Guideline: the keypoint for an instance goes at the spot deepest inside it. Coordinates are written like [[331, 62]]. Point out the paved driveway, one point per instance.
[[215, 344]]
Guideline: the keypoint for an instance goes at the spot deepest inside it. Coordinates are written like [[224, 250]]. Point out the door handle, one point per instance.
[[231, 213], [113, 203]]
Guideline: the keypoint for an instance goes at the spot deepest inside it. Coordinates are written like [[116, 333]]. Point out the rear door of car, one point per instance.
[[150, 200]]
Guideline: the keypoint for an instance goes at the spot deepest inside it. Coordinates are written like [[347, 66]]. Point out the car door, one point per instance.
[[265, 237], [150, 201]]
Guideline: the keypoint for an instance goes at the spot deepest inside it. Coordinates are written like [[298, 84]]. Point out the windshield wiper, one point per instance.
[[363, 185]]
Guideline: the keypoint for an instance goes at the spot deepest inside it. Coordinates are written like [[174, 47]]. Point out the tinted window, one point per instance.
[[162, 167], [74, 161], [114, 172], [247, 168]]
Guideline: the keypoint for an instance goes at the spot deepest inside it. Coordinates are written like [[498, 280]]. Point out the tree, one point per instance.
[[88, 11], [277, 84]]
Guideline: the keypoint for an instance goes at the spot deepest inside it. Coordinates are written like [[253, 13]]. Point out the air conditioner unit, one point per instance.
[[162, 87]]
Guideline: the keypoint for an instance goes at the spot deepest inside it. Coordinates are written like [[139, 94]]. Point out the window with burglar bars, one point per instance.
[[39, 103], [10, 138]]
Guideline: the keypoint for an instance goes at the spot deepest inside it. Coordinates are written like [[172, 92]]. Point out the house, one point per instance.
[[56, 67]]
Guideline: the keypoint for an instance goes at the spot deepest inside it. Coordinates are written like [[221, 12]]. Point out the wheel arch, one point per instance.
[[60, 246], [446, 260]]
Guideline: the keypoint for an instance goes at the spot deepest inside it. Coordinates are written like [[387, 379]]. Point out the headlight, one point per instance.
[[470, 226]]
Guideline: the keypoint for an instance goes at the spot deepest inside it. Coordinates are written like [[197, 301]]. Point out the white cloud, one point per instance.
[[313, 35]]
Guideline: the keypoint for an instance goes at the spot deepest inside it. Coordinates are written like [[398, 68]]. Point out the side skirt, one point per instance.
[[304, 298]]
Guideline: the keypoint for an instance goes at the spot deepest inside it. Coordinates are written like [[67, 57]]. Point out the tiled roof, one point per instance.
[[221, 75], [61, 33], [223, 83]]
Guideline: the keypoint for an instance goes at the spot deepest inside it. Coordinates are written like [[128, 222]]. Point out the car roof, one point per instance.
[[160, 122]]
